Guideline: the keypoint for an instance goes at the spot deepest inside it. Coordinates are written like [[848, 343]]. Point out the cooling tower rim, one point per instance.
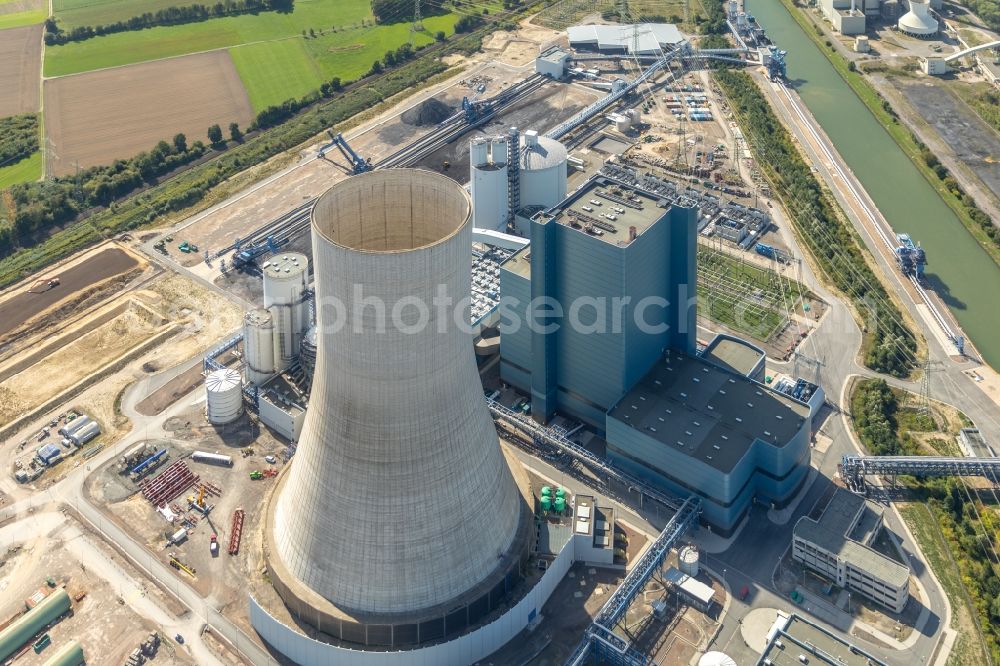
[[424, 175]]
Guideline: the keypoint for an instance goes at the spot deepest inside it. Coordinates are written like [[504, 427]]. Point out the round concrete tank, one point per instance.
[[488, 183], [258, 346], [224, 392], [918, 22], [716, 659], [687, 560], [543, 170], [365, 535], [285, 279]]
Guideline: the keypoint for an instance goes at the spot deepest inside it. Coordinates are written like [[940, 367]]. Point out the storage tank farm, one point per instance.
[[286, 278], [400, 519], [488, 178]]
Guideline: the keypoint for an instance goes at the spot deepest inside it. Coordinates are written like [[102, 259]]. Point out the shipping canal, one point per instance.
[[964, 276]]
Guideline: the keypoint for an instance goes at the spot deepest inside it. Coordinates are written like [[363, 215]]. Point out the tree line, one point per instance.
[[889, 346], [174, 15], [39, 206], [18, 138]]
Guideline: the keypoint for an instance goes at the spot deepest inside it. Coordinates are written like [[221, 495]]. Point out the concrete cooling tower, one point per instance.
[[400, 520]]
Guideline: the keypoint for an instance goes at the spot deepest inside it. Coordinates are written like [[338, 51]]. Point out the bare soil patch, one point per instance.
[[20, 67], [97, 117], [29, 303]]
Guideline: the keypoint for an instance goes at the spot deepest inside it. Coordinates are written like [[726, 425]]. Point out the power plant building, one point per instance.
[[620, 264], [401, 520], [577, 254], [488, 166]]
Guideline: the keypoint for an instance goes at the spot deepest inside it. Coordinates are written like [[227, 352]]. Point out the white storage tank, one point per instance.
[[224, 392], [543, 170], [716, 659], [258, 346], [285, 279], [488, 183], [688, 560]]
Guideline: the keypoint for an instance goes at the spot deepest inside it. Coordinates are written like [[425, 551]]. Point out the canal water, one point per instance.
[[959, 270]]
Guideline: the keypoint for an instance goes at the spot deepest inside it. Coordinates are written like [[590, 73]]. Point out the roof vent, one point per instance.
[[687, 432], [660, 419], [778, 416], [725, 437], [696, 423], [683, 394], [696, 379], [634, 407], [739, 420], [716, 447], [767, 433], [642, 397], [722, 392], [658, 382], [732, 381], [652, 429], [668, 411], [712, 408], [680, 443], [750, 405]]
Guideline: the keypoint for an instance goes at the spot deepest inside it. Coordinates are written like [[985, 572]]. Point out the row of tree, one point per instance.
[[18, 138], [39, 206], [890, 346], [972, 209], [174, 15]]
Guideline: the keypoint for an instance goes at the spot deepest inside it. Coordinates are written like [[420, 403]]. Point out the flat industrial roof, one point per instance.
[[630, 207], [652, 37], [695, 588], [554, 55], [736, 355], [801, 637], [520, 263], [836, 533], [553, 537], [708, 413]]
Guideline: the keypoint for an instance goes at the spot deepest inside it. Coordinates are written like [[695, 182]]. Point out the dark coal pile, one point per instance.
[[428, 112]]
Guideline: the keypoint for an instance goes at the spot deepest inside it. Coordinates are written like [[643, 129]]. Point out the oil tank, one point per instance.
[[285, 280], [224, 392], [543, 170], [365, 534], [688, 561], [258, 346], [488, 182]]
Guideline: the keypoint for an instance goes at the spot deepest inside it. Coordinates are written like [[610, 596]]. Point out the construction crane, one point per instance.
[[358, 164]]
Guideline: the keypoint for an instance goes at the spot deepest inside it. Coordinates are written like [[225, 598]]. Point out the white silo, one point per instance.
[[224, 392], [285, 279], [543, 170], [687, 561], [258, 346], [918, 22], [488, 177], [400, 509], [716, 659]]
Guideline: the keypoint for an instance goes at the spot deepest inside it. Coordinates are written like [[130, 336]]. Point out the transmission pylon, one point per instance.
[[417, 24]]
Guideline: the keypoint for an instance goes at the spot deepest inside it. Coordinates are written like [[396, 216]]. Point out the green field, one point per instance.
[[23, 171], [125, 48], [73, 13], [274, 60], [18, 19], [274, 71]]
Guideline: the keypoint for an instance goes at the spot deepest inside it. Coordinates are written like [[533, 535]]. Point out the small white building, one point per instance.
[[935, 66], [552, 63]]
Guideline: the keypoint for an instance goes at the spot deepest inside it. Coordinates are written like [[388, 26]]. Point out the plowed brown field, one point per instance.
[[98, 117], [20, 67]]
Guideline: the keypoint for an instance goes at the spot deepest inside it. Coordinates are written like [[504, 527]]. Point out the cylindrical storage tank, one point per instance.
[[258, 346], [488, 183], [622, 123], [88, 432], [560, 505], [307, 353], [546, 490], [543, 170], [560, 492], [546, 503], [356, 525], [687, 560], [286, 277], [716, 659], [224, 392]]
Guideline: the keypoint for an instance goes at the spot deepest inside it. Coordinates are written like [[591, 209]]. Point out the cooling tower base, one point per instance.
[[464, 612]]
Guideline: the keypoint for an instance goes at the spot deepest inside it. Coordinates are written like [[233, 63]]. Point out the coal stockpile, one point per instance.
[[428, 112]]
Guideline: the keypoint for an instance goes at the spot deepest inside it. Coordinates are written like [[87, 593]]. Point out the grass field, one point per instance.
[[18, 19], [274, 60], [274, 71], [73, 13], [24, 171]]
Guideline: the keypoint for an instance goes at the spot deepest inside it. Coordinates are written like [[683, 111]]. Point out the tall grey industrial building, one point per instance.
[[400, 520], [621, 354]]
